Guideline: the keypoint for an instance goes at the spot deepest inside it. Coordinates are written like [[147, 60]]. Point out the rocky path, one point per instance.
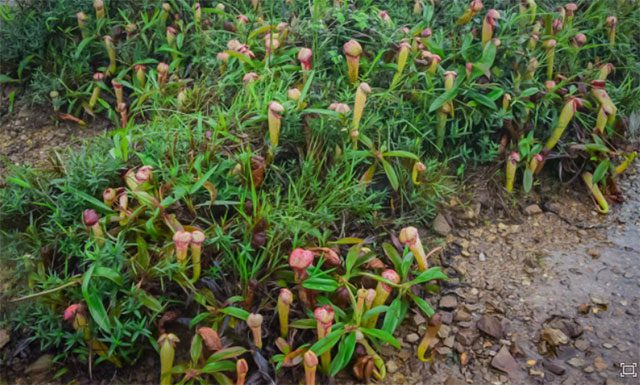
[[552, 299]]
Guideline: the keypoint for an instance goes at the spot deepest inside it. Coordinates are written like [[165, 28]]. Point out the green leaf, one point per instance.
[[352, 257], [481, 99], [382, 336], [447, 96], [93, 201], [527, 180], [236, 312], [196, 348], [429, 275], [347, 241], [345, 352], [401, 154], [227, 353], [392, 318], [391, 174], [94, 303], [221, 366], [423, 305], [19, 182], [393, 255], [307, 323], [374, 311], [601, 170], [201, 181], [327, 342], [320, 284], [149, 301], [529, 92], [110, 274]]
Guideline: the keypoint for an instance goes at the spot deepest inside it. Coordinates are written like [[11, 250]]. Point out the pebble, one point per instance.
[[41, 365], [482, 257], [4, 338], [412, 338], [607, 345], [600, 364], [491, 326], [532, 210], [504, 361], [576, 362], [462, 316], [444, 331], [589, 369], [448, 302], [582, 345], [441, 226], [554, 367], [392, 367]]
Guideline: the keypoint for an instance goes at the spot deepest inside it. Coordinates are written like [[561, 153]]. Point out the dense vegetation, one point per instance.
[[265, 155]]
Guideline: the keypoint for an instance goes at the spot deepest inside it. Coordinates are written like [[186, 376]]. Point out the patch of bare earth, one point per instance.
[[30, 135], [550, 297]]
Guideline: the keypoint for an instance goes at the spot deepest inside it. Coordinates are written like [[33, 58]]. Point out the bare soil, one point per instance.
[[30, 136]]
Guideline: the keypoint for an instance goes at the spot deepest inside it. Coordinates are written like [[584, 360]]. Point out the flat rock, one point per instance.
[[555, 336], [466, 337], [599, 364], [41, 365], [441, 226], [503, 361], [4, 338], [532, 210], [461, 316], [576, 362], [554, 366], [412, 338], [449, 302], [392, 367], [490, 326]]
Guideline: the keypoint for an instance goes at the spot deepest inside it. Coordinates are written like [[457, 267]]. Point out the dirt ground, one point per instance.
[[30, 136], [550, 295]]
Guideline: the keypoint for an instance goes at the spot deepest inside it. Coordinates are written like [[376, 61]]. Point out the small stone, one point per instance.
[[531, 363], [462, 316], [599, 301], [4, 338], [554, 367], [466, 337], [392, 367], [607, 345], [418, 319], [441, 226], [412, 338], [444, 331], [446, 317], [41, 365], [503, 361], [491, 326], [589, 369], [593, 253], [482, 257], [443, 351], [599, 364], [449, 341], [532, 210], [576, 362], [453, 381], [449, 302], [535, 372], [582, 345], [555, 336]]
